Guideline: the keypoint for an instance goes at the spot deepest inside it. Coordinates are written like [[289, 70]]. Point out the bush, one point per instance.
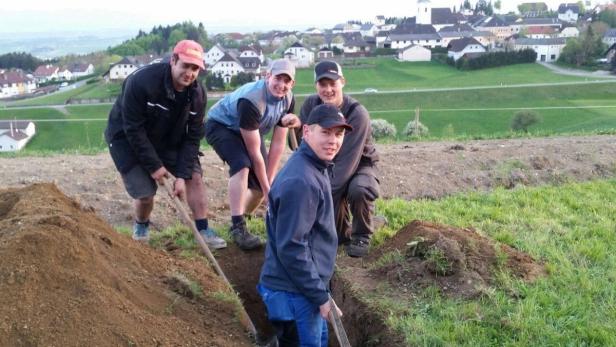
[[495, 59], [522, 120], [382, 128], [415, 130]]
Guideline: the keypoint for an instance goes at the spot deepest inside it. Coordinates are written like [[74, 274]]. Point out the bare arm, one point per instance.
[[252, 139], [276, 149]]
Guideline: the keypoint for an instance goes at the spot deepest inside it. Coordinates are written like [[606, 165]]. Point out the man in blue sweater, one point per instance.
[[301, 234]]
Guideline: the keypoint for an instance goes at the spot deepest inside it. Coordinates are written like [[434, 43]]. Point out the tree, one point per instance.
[[467, 5], [522, 120], [497, 5], [176, 36], [608, 17], [242, 78], [19, 60], [583, 50], [214, 82]]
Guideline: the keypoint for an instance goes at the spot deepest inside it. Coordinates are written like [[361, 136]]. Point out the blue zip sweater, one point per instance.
[[301, 232]]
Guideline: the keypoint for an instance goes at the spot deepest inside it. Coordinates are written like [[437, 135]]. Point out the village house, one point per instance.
[[548, 50], [252, 52], [533, 9], [14, 135], [541, 32], [569, 12], [15, 82], [356, 48], [569, 32], [227, 67], [456, 32], [251, 65], [65, 74], [414, 53], [458, 48], [120, 70], [609, 38], [299, 55], [46, 73], [497, 25], [79, 70], [214, 54], [325, 53]]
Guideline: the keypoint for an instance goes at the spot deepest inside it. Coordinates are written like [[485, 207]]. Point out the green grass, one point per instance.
[[458, 114], [388, 74], [58, 98], [569, 228]]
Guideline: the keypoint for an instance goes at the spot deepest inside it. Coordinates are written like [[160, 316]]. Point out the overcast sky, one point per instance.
[[216, 15]]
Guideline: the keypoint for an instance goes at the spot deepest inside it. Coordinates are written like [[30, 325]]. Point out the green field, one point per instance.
[[569, 228], [449, 114], [388, 74]]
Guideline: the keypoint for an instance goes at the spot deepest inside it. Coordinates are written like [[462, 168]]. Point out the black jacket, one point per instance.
[[147, 126]]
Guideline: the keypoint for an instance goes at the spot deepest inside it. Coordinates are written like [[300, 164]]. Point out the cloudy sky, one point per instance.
[[87, 16]]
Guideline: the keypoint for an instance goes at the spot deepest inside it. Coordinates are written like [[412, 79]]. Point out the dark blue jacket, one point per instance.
[[301, 232]]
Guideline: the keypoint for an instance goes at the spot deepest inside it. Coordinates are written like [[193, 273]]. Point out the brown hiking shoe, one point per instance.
[[358, 247], [243, 238]]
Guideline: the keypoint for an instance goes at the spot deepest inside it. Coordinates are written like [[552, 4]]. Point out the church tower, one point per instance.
[[424, 12]]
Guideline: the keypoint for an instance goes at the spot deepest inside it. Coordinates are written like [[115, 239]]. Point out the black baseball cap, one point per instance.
[[327, 69], [328, 116]]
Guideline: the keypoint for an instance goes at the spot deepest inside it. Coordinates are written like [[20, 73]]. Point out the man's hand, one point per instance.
[[160, 174], [290, 121], [326, 307], [179, 188]]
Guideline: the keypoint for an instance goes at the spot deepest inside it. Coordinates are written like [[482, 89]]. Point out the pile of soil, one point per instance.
[[460, 262], [67, 278]]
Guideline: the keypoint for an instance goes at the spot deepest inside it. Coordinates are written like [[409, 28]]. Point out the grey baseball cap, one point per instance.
[[283, 66]]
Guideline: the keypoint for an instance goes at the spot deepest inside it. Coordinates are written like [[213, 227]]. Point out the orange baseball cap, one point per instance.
[[190, 52]]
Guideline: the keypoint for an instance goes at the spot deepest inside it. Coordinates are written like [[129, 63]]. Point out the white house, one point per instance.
[[368, 29], [251, 65], [313, 31], [299, 55], [65, 74], [81, 69], [457, 48], [252, 52], [213, 55], [414, 53], [569, 32], [548, 50], [46, 73], [122, 69], [399, 41], [14, 135], [227, 67], [15, 82], [610, 37], [568, 12], [325, 53]]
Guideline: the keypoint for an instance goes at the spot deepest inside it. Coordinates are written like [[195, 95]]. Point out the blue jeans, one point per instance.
[[297, 321]]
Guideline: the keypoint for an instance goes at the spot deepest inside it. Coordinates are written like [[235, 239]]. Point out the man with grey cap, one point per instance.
[[355, 186], [235, 128]]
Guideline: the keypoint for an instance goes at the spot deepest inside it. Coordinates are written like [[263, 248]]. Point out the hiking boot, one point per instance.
[[141, 232], [243, 238], [358, 247], [212, 239]]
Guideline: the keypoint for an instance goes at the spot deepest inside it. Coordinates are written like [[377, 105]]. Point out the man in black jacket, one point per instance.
[[154, 131], [355, 186]]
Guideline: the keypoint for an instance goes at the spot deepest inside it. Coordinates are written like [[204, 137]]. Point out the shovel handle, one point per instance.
[[336, 321]]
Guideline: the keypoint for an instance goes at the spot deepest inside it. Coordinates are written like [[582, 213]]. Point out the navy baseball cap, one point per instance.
[[328, 116], [327, 69]]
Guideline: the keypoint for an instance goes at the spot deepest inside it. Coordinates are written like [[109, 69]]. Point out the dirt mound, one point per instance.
[[460, 262], [67, 279]]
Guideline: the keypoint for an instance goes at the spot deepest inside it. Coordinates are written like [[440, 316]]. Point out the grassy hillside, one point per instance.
[[483, 113], [388, 74], [568, 228]]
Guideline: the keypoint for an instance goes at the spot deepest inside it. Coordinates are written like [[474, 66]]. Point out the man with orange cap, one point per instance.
[[154, 131]]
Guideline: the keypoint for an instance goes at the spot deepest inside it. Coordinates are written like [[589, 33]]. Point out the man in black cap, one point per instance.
[[301, 234], [355, 186]]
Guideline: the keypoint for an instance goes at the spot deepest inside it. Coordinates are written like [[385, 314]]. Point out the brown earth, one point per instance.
[[68, 279], [460, 263], [407, 170]]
